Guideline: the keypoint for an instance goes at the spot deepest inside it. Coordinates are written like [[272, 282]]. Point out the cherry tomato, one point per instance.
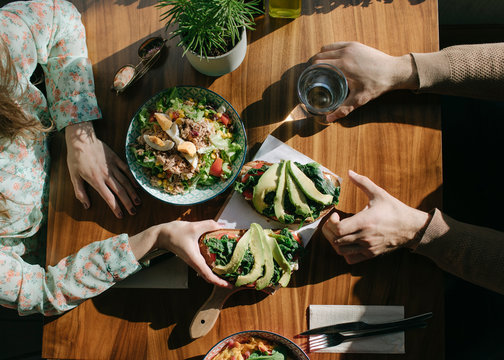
[[174, 115], [246, 176], [296, 237], [248, 194], [224, 119], [230, 235], [216, 168]]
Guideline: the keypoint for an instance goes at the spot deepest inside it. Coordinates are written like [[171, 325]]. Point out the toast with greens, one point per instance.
[[288, 192], [256, 257]]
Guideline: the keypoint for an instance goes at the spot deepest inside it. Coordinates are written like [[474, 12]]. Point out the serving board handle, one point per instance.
[[208, 313]]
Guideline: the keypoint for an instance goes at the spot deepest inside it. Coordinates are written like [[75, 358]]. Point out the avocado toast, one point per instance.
[[288, 192], [255, 257]]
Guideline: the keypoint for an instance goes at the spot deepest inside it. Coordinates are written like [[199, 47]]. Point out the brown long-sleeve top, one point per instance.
[[466, 70], [471, 252]]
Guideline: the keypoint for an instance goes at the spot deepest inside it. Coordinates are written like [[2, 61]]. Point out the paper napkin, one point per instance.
[[238, 214], [323, 315]]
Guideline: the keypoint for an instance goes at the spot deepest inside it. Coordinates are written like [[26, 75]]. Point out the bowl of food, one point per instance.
[[256, 344], [186, 145]]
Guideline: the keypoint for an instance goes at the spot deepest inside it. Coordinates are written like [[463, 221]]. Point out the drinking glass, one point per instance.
[[322, 88]]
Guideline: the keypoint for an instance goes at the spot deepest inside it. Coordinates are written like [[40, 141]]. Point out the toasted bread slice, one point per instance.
[[237, 234], [209, 258], [257, 164]]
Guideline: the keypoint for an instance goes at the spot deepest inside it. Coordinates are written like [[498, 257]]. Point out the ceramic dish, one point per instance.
[[201, 193], [292, 350]]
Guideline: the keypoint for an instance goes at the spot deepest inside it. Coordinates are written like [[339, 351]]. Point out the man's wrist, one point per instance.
[[406, 74], [422, 222]]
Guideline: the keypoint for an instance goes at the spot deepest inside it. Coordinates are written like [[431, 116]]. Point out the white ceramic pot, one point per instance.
[[223, 64]]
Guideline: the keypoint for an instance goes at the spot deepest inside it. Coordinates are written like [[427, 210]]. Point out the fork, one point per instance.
[[361, 325], [319, 342]]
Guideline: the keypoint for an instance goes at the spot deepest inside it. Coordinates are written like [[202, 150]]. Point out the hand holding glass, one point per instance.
[[322, 88]]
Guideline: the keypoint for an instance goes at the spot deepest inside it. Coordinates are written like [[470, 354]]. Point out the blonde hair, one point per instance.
[[14, 121]]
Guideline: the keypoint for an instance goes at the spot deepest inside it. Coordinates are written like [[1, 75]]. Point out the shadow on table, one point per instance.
[[419, 288], [162, 308], [117, 112], [141, 3], [279, 105], [376, 280]]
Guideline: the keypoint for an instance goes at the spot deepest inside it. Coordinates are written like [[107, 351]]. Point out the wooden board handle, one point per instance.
[[208, 313]]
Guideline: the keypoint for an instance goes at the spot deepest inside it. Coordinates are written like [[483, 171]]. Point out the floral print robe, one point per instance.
[[49, 33]]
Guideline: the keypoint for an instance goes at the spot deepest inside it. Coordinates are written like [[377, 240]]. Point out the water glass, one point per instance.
[[322, 88]]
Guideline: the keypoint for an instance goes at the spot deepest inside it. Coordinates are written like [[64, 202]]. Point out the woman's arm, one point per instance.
[[59, 42], [96, 267]]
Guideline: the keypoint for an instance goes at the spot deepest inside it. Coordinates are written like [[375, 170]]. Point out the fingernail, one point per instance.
[[137, 201], [86, 205], [133, 211], [120, 215]]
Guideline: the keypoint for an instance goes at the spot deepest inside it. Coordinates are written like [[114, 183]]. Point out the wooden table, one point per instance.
[[395, 140]]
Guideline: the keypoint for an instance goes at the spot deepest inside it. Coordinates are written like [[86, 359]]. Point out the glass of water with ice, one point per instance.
[[322, 88]]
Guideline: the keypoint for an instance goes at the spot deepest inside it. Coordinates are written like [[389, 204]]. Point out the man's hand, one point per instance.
[[385, 224], [369, 73]]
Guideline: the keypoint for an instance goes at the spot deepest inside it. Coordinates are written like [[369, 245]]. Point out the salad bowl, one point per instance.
[[288, 349], [197, 192]]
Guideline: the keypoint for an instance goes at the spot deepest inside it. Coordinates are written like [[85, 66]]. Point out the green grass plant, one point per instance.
[[209, 27]]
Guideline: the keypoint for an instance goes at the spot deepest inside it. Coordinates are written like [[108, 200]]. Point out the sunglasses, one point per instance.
[[149, 52]]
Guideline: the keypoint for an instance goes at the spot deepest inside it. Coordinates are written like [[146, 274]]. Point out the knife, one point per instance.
[[361, 325]]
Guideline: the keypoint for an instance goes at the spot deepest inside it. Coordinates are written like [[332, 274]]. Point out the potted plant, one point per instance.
[[212, 32]]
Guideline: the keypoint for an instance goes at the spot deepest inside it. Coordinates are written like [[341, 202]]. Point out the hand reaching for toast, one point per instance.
[[181, 238], [385, 224]]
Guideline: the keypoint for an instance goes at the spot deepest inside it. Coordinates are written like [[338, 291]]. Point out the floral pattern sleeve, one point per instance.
[[49, 33], [89, 272], [60, 41]]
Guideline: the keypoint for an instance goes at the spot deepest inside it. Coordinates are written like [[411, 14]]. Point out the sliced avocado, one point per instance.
[[297, 197], [279, 258], [237, 257], [256, 248], [269, 266], [280, 194], [307, 186], [266, 184]]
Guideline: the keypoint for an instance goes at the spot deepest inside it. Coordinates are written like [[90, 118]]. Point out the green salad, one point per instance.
[[185, 143]]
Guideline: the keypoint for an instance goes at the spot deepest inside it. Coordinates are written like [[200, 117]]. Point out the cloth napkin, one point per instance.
[[171, 273], [238, 214], [323, 315]]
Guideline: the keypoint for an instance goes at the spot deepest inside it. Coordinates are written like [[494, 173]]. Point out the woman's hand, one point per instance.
[[92, 161], [181, 238], [369, 73], [384, 225]]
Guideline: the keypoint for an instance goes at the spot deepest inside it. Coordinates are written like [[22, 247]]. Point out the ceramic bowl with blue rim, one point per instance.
[[292, 350], [199, 194]]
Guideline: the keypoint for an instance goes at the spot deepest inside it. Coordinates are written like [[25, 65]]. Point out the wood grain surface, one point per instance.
[[395, 140]]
